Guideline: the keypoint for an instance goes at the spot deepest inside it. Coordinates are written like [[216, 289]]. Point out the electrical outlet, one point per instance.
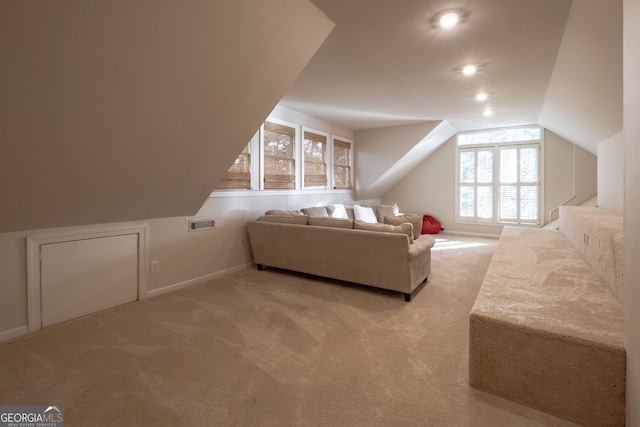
[[155, 266]]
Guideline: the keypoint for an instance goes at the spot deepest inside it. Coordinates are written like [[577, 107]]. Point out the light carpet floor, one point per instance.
[[271, 348]]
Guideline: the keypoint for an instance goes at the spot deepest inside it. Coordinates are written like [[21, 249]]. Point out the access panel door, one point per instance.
[[80, 277]]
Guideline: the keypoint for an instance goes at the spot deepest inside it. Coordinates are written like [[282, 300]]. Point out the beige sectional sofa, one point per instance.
[[381, 255]]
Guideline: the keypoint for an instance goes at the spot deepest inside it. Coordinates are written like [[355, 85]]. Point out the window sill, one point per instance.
[[496, 223], [271, 193]]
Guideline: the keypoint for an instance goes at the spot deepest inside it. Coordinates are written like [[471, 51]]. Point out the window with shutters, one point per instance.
[[314, 148], [279, 149], [499, 176], [342, 164]]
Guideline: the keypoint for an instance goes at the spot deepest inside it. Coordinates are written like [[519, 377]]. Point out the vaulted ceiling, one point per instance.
[[386, 63]]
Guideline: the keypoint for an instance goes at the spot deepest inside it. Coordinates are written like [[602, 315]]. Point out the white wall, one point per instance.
[[610, 174], [430, 188], [632, 206], [185, 258], [104, 103]]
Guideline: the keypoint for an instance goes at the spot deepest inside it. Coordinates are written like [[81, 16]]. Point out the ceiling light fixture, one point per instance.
[[488, 112], [481, 96], [469, 70], [449, 20]]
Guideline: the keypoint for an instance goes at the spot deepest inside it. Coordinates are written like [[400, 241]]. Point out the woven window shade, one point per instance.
[[238, 177], [342, 165], [315, 160], [279, 162]]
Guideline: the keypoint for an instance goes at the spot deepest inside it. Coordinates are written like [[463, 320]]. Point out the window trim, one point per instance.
[[495, 147]]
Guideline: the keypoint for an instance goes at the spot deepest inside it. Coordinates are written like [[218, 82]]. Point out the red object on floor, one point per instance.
[[430, 225]]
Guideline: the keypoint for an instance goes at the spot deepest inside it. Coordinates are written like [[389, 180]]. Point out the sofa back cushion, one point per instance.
[[331, 222], [285, 219], [414, 220], [283, 213], [404, 228]]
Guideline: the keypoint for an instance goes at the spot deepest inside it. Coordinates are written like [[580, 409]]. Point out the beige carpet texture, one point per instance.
[[272, 348]]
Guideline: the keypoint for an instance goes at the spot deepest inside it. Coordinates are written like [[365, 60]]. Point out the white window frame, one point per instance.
[[495, 147]]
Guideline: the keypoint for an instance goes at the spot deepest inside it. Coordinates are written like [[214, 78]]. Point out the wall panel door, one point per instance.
[[84, 276]]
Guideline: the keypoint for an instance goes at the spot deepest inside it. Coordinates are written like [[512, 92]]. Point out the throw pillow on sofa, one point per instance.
[[385, 210], [340, 211], [405, 228], [414, 220], [316, 212], [365, 214], [331, 222]]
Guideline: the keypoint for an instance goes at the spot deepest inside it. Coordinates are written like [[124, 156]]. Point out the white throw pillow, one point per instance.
[[337, 211], [365, 214]]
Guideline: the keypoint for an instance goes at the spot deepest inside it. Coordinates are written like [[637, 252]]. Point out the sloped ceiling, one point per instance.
[[553, 62], [387, 64], [124, 110], [584, 99]]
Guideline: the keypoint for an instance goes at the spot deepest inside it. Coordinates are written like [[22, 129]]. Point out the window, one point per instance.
[[498, 176], [288, 156], [314, 147], [238, 177], [342, 164], [279, 156], [519, 184]]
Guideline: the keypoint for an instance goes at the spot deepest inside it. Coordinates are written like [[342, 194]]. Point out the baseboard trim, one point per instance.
[[14, 333], [195, 281], [465, 233]]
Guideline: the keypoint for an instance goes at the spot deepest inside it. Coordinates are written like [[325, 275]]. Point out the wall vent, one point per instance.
[[201, 224], [554, 214]]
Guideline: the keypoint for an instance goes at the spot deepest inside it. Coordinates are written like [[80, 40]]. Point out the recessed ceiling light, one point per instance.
[[481, 96], [449, 20], [488, 112], [469, 70]]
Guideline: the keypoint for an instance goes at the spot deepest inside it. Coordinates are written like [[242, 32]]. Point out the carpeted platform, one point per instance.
[[547, 332]]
